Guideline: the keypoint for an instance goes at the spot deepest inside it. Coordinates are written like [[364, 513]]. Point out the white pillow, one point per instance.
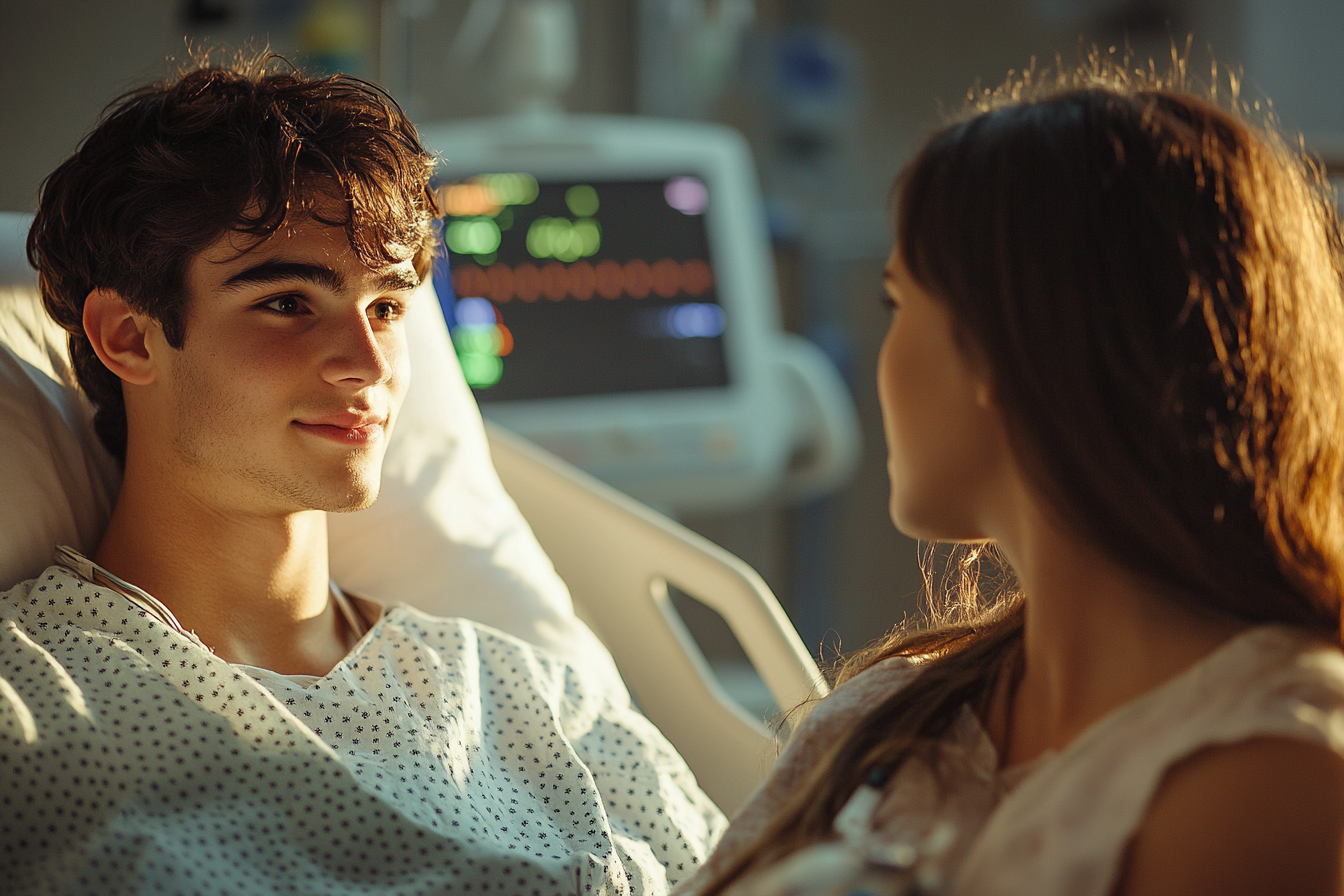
[[57, 483], [443, 535]]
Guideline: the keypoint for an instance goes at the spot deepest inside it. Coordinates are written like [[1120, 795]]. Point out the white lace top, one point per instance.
[[1060, 824]]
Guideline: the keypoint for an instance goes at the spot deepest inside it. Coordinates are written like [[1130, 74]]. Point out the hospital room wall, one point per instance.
[[62, 60]]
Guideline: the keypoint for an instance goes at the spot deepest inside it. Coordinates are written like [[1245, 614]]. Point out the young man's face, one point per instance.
[[293, 369]]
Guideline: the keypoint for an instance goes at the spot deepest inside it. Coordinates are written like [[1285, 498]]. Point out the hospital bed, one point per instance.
[[444, 517]]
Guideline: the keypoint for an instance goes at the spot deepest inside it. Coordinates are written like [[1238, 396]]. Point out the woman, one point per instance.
[[1115, 355]]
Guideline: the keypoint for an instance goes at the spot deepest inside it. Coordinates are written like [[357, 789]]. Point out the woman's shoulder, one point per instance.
[[830, 717], [1256, 806], [1264, 815], [1271, 681], [824, 724], [1256, 723], [856, 695], [818, 723]]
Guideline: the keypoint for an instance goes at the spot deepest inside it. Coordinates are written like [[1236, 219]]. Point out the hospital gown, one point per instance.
[[439, 757]]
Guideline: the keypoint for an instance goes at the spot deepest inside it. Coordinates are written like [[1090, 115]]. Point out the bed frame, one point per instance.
[[618, 557]]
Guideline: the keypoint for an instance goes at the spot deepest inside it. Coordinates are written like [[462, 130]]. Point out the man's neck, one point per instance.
[[254, 588]]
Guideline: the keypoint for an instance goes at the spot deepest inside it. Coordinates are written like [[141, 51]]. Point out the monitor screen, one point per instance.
[[594, 287]]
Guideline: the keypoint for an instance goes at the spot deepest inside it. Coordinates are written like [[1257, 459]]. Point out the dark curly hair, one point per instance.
[[171, 167]]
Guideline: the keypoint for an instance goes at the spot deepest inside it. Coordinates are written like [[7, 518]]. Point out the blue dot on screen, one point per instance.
[[693, 319], [474, 312]]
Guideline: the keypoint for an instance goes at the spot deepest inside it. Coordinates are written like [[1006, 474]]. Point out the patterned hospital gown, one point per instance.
[[439, 757]]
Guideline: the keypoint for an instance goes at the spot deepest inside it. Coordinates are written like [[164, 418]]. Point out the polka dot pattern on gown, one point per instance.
[[439, 757]]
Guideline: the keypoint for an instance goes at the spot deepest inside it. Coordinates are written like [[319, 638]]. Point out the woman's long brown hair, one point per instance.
[[1157, 286]]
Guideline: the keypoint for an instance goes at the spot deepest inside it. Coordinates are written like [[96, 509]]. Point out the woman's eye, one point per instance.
[[284, 305]]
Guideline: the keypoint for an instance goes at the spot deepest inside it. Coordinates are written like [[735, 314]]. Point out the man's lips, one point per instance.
[[348, 429]]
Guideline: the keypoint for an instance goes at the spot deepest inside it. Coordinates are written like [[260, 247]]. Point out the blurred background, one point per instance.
[[832, 96]]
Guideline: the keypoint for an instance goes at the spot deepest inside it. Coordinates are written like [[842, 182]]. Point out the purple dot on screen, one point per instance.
[[687, 195]]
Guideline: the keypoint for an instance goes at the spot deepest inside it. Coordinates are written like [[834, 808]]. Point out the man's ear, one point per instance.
[[119, 336]]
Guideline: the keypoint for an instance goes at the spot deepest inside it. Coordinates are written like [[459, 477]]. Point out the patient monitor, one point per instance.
[[613, 298]]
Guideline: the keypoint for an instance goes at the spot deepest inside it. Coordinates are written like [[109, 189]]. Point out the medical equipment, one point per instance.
[[688, 52], [444, 536], [616, 303]]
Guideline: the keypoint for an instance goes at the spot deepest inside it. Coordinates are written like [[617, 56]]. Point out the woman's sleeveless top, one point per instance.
[[1060, 824]]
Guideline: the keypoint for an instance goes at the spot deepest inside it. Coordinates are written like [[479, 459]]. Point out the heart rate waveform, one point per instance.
[[608, 279]]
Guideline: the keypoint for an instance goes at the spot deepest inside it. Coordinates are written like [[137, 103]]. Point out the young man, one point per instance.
[[196, 707]]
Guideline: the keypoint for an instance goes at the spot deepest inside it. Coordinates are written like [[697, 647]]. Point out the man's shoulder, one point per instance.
[[45, 594], [22, 599], [39, 652], [70, 620]]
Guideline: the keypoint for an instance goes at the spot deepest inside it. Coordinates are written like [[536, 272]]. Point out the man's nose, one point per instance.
[[357, 355]]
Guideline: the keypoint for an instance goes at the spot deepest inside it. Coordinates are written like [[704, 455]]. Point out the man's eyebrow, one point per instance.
[[282, 271], [286, 271], [402, 279]]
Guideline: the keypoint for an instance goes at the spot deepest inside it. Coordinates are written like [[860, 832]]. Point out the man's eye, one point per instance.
[[387, 310], [284, 305]]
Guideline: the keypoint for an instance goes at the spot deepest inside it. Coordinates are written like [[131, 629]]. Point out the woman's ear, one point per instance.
[[118, 334], [985, 394]]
